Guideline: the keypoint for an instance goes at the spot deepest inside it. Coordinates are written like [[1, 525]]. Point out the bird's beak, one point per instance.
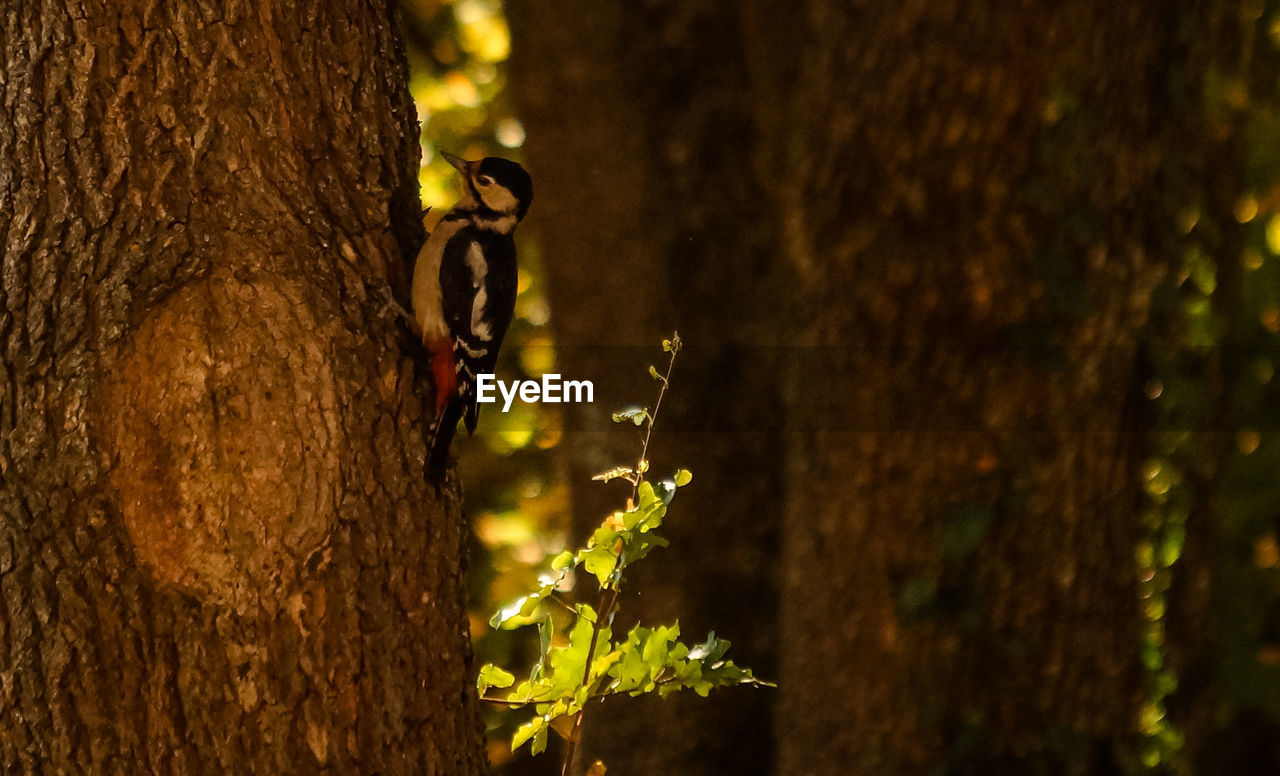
[[459, 164]]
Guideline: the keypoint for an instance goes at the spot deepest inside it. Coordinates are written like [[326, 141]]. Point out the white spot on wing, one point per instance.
[[479, 269]]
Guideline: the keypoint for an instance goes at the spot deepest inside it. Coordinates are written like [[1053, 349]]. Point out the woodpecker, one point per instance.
[[464, 289]]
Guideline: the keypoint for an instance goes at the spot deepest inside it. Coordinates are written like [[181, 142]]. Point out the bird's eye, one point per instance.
[[484, 180]]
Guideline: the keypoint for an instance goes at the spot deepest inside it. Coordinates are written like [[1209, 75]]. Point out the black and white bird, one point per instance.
[[464, 289]]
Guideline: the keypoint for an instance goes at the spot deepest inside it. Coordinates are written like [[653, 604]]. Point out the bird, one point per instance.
[[464, 289]]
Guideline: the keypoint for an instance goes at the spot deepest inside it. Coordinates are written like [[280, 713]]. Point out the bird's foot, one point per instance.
[[390, 305]]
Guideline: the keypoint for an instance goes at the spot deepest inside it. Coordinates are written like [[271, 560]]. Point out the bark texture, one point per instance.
[[217, 550], [951, 215]]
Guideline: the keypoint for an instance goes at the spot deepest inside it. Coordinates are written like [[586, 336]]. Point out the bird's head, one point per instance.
[[498, 184]]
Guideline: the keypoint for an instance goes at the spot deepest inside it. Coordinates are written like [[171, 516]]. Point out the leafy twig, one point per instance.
[[592, 665], [609, 592]]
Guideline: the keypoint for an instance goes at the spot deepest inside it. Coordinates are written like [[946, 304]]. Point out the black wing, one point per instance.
[[478, 280]]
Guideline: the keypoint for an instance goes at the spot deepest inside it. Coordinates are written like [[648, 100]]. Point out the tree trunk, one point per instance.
[[952, 214], [217, 550], [979, 312]]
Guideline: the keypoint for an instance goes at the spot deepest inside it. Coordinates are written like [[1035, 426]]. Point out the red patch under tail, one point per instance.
[[442, 370]]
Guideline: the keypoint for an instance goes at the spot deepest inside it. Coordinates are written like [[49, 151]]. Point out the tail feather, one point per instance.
[[470, 407], [455, 378], [465, 383], [442, 432]]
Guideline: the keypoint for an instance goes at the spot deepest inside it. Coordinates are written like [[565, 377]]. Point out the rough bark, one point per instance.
[[951, 212], [217, 550]]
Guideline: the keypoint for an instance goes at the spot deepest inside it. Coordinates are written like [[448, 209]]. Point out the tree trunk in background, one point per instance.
[[217, 551], [952, 213], [986, 298], [636, 113]]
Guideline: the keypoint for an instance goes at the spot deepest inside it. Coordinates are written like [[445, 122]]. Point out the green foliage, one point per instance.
[[1212, 356], [637, 415], [580, 659]]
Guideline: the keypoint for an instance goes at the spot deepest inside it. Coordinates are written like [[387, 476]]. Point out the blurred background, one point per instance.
[[981, 302]]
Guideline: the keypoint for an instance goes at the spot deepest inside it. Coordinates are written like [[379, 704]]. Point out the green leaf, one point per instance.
[[683, 477], [528, 730], [563, 561], [666, 346], [653, 372], [617, 472], [520, 611], [602, 664], [640, 547], [647, 497], [631, 672], [493, 676], [509, 616], [636, 415], [710, 650], [546, 632], [600, 561], [605, 534], [652, 508], [539, 744], [657, 645], [630, 519], [522, 692], [586, 612], [568, 662]]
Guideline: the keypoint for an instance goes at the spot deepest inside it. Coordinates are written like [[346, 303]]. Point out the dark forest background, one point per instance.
[[982, 304]]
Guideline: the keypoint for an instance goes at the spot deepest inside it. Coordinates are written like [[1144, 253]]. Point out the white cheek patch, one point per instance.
[[479, 269], [498, 198]]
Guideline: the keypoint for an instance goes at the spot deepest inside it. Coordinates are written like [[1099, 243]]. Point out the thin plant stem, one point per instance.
[[653, 418], [609, 591]]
